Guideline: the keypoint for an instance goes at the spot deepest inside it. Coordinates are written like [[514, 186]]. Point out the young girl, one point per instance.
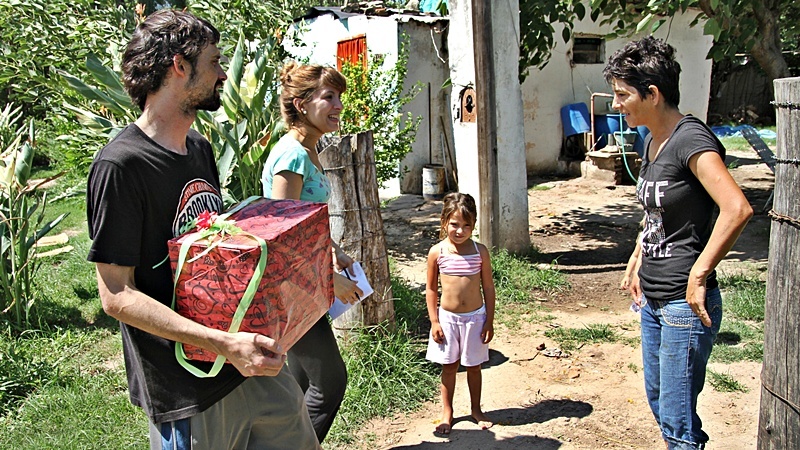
[[462, 324]]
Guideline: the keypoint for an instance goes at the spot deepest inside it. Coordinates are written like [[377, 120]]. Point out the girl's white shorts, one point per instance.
[[462, 339]]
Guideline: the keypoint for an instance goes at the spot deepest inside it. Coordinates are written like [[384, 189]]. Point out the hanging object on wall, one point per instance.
[[469, 105]]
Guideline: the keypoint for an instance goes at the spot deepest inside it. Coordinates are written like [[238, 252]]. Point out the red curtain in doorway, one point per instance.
[[353, 50]]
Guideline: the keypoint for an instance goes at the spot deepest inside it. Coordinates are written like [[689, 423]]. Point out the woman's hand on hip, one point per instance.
[[696, 298]]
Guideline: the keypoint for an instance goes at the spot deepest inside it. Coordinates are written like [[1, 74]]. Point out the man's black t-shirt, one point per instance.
[[139, 195], [678, 211]]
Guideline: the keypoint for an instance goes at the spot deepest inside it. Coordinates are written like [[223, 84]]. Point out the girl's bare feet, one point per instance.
[[484, 422], [445, 424]]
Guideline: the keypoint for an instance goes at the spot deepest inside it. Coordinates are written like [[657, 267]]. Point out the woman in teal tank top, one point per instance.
[[310, 105]]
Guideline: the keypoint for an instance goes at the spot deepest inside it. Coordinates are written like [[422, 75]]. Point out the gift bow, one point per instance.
[[213, 227], [208, 225]]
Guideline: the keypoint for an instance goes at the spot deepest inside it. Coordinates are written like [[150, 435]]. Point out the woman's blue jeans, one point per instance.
[[675, 349]]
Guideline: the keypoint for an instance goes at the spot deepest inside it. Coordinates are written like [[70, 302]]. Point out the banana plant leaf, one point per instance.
[[110, 81], [44, 230]]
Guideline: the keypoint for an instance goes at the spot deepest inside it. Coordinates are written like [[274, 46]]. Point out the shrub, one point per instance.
[[21, 217], [373, 101]]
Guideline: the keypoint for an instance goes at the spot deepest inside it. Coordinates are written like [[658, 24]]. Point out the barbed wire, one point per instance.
[[785, 105], [777, 217], [340, 211], [331, 169], [785, 400], [794, 161]]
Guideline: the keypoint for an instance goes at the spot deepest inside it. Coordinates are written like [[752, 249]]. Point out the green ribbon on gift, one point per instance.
[[249, 292]]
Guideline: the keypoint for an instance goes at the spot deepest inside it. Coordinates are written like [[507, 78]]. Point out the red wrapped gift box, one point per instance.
[[296, 288]]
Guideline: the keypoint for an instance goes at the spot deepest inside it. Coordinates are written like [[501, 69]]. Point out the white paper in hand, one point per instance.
[[355, 273]]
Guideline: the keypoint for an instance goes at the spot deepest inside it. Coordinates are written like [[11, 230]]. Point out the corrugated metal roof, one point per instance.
[[356, 10], [316, 11]]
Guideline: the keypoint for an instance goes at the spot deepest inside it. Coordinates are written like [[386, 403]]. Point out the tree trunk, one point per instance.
[[779, 420], [767, 48], [357, 226]]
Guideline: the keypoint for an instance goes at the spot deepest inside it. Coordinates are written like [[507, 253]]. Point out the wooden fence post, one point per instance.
[[357, 226], [779, 420]]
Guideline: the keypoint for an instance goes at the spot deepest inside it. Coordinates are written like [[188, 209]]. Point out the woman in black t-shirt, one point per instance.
[[682, 178]]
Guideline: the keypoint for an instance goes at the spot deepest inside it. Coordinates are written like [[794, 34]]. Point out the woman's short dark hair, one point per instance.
[[301, 81], [644, 63], [164, 34]]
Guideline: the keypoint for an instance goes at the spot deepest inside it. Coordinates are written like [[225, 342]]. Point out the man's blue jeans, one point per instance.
[[675, 349]]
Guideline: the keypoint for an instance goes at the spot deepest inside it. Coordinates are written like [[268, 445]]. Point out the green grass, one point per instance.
[[387, 201], [723, 382], [570, 339], [733, 164], [744, 295], [738, 341], [740, 143], [75, 392], [387, 372], [741, 335], [522, 287]]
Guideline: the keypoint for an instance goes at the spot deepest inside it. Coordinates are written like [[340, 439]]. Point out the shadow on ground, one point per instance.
[[602, 239], [420, 226], [485, 439], [501, 437]]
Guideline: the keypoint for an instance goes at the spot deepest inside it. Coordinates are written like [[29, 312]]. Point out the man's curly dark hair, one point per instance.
[[164, 34]]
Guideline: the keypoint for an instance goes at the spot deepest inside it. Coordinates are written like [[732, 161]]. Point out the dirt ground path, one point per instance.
[[593, 398]]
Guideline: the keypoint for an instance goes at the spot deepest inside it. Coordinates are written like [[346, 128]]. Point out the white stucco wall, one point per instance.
[[511, 174], [426, 45], [315, 41], [462, 76], [545, 92]]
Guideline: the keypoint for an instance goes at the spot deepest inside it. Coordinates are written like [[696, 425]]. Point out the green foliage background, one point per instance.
[[39, 36], [372, 101], [738, 26]]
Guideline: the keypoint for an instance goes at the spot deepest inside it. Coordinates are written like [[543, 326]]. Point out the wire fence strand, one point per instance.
[[782, 218]]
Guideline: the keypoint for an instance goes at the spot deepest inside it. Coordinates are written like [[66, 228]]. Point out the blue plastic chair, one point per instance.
[[575, 119]]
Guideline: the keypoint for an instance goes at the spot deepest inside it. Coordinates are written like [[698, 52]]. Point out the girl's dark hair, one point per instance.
[[461, 203], [164, 34], [644, 63], [301, 81]]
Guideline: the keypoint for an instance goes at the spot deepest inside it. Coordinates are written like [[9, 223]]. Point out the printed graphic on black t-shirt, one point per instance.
[[197, 196], [653, 236]]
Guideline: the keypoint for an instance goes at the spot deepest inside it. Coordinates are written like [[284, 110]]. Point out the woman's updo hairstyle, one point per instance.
[[301, 81]]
